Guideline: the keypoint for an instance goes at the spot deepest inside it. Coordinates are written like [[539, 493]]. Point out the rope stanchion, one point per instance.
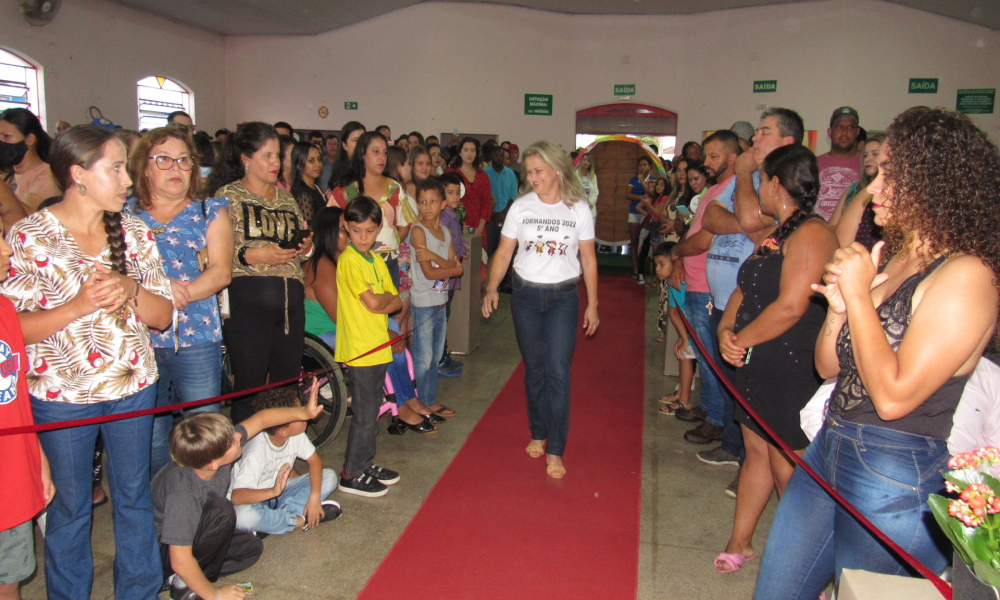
[[941, 585], [194, 403]]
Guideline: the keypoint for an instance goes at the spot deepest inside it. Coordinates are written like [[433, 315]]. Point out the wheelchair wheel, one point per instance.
[[317, 357]]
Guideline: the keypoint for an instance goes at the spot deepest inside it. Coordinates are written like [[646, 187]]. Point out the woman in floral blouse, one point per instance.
[[87, 281], [265, 334], [188, 357]]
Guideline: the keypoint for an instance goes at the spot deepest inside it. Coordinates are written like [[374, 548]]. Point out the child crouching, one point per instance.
[[195, 520], [269, 496]]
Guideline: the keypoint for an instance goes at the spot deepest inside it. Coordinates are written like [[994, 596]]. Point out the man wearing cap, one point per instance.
[[839, 167], [744, 131]]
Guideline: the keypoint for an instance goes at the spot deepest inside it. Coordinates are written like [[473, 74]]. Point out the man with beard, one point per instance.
[[840, 167], [721, 150]]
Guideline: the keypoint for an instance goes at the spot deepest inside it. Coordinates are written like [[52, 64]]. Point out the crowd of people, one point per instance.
[[134, 262], [796, 268], [139, 261]]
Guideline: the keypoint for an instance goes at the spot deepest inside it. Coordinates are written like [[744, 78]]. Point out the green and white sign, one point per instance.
[[538, 104], [350, 106], [976, 101], [624, 89], [767, 85], [923, 86]]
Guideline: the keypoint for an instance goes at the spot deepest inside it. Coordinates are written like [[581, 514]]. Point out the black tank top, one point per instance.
[[850, 399]]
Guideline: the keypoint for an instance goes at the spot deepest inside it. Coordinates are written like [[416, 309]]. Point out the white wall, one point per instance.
[[94, 52], [468, 66]]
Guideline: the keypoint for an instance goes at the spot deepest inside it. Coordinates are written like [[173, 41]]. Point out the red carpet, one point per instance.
[[495, 526]]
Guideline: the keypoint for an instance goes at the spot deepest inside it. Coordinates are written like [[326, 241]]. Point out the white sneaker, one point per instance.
[[640, 280]]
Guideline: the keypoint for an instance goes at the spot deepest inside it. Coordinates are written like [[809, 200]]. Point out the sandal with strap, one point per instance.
[[670, 398], [445, 412], [555, 471], [671, 407], [536, 450], [734, 562]]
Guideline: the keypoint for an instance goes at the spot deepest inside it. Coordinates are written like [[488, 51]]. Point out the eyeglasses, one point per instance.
[[165, 163]]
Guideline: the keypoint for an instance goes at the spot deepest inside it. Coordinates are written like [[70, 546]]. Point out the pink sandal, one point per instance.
[[733, 561]]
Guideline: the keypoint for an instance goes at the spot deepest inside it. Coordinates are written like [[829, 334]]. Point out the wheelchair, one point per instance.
[[318, 358]]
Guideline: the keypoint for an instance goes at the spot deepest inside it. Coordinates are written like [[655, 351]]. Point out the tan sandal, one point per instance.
[[555, 471], [535, 450]]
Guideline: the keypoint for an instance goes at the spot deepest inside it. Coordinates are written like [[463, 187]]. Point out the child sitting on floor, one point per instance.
[[269, 496], [672, 302], [195, 521]]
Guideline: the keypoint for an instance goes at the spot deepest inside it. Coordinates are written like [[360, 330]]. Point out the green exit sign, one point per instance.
[[767, 85], [350, 106], [624, 89], [923, 86]]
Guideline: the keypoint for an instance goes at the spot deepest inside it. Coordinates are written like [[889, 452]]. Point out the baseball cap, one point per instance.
[[514, 148], [743, 129], [844, 111], [102, 122]]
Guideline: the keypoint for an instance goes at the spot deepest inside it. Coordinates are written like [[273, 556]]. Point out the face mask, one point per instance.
[[12, 154]]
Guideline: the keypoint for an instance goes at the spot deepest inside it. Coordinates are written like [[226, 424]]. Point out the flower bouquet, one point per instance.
[[972, 519]]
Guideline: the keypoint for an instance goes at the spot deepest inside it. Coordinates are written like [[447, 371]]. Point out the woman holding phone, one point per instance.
[[267, 300]]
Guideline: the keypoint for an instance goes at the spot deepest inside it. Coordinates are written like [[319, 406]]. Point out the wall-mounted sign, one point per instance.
[[324, 112], [624, 89], [767, 85], [976, 101], [350, 106], [538, 104], [923, 86]]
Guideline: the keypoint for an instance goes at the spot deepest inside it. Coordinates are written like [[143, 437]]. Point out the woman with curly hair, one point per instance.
[[882, 444]]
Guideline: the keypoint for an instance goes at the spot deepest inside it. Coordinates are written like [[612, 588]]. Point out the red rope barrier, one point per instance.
[[941, 585], [183, 405]]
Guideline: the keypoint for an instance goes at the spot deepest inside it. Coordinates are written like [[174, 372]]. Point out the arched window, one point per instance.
[[19, 84], [158, 97]]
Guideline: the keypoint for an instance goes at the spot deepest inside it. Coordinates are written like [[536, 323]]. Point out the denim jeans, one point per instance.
[[278, 515], [711, 391], [545, 322], [192, 373], [887, 475], [69, 564], [366, 388], [732, 437], [398, 372], [427, 348]]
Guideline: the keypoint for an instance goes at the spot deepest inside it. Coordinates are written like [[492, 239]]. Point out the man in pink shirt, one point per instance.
[[841, 166], [689, 258]]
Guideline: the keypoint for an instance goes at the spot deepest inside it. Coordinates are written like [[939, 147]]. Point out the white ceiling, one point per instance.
[[307, 17]]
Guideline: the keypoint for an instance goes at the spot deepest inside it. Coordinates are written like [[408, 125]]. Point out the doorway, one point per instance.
[[618, 135]]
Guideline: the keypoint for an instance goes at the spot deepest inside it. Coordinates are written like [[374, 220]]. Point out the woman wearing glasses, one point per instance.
[[189, 353]]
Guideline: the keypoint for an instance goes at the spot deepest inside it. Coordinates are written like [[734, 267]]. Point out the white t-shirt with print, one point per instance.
[[548, 238], [261, 461]]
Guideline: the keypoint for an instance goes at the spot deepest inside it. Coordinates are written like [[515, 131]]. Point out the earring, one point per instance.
[[81, 189]]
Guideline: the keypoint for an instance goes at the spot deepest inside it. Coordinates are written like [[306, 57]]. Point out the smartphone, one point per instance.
[[297, 238], [684, 211]]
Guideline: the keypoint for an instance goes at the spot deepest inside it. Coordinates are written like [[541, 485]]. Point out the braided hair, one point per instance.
[[795, 167], [83, 146]]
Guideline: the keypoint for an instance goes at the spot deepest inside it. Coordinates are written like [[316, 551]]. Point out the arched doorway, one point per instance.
[[615, 151]]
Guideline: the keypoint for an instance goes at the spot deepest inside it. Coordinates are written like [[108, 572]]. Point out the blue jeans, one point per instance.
[[732, 437], [278, 515], [711, 392], [399, 372], [69, 564], [545, 322], [193, 373], [427, 348], [887, 475]]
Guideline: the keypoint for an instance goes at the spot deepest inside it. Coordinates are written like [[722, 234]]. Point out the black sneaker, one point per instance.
[[455, 363], [383, 475], [363, 485], [331, 510]]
